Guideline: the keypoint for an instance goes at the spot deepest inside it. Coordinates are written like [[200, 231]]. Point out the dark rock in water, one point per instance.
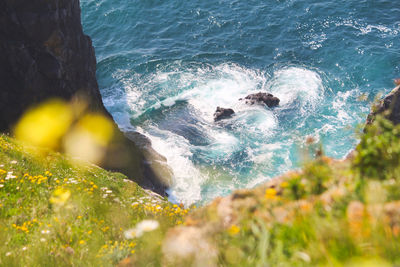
[[262, 98], [389, 107], [223, 113], [44, 54]]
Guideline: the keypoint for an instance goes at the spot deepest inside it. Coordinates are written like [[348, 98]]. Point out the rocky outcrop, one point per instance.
[[389, 107], [223, 113], [45, 54], [262, 98]]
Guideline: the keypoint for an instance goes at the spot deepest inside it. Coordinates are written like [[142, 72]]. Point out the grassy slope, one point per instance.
[[331, 213], [55, 212]]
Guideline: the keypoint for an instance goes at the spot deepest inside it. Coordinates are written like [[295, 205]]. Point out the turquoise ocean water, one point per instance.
[[164, 67]]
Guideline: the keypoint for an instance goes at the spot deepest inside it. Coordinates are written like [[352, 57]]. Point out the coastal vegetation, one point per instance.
[[55, 211], [61, 211], [330, 213], [63, 201]]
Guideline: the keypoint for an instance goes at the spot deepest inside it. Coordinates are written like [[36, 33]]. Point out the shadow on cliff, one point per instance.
[[44, 54]]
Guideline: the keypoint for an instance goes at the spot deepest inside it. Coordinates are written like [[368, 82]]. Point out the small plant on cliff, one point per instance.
[[378, 153]]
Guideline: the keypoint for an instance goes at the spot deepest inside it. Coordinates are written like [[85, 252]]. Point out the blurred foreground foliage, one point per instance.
[[330, 213], [54, 211], [67, 127]]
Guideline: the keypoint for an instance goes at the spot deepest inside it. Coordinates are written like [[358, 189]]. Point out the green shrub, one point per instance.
[[378, 153]]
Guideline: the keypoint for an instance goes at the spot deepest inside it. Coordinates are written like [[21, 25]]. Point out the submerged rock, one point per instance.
[[223, 113], [262, 98]]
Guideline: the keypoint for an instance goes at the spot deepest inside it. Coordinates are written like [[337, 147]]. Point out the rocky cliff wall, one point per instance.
[[389, 107], [45, 54]]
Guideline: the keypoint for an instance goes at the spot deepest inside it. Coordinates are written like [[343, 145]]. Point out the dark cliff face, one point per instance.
[[45, 54], [389, 107]]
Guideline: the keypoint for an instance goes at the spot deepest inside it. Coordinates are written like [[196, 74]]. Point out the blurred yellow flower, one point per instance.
[[270, 193], [89, 138], [284, 184], [60, 196], [46, 124], [234, 230]]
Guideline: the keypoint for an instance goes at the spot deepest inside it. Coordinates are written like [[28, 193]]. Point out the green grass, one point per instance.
[[55, 211], [59, 212]]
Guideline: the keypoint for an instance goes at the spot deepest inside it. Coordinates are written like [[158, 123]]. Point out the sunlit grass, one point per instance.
[[56, 212]]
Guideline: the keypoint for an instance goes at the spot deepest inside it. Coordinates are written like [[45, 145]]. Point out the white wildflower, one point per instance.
[[1, 185], [129, 234], [142, 227], [45, 232], [104, 196], [10, 176], [303, 256], [8, 254], [13, 162], [24, 248], [108, 191], [72, 181], [42, 239]]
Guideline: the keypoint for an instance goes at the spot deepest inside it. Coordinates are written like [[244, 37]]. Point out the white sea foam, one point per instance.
[[203, 89], [187, 178], [294, 83]]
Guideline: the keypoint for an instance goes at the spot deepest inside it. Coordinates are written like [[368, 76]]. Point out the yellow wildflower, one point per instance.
[[60, 196], [284, 184], [234, 230], [270, 193]]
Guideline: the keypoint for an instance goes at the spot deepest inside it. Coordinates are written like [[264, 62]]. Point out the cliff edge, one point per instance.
[[389, 107], [45, 54]]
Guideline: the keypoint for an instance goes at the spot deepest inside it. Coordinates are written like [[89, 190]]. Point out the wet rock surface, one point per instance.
[[262, 98], [223, 113]]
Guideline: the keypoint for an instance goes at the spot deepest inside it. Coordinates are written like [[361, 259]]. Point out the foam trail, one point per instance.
[[187, 178], [294, 83], [243, 151]]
